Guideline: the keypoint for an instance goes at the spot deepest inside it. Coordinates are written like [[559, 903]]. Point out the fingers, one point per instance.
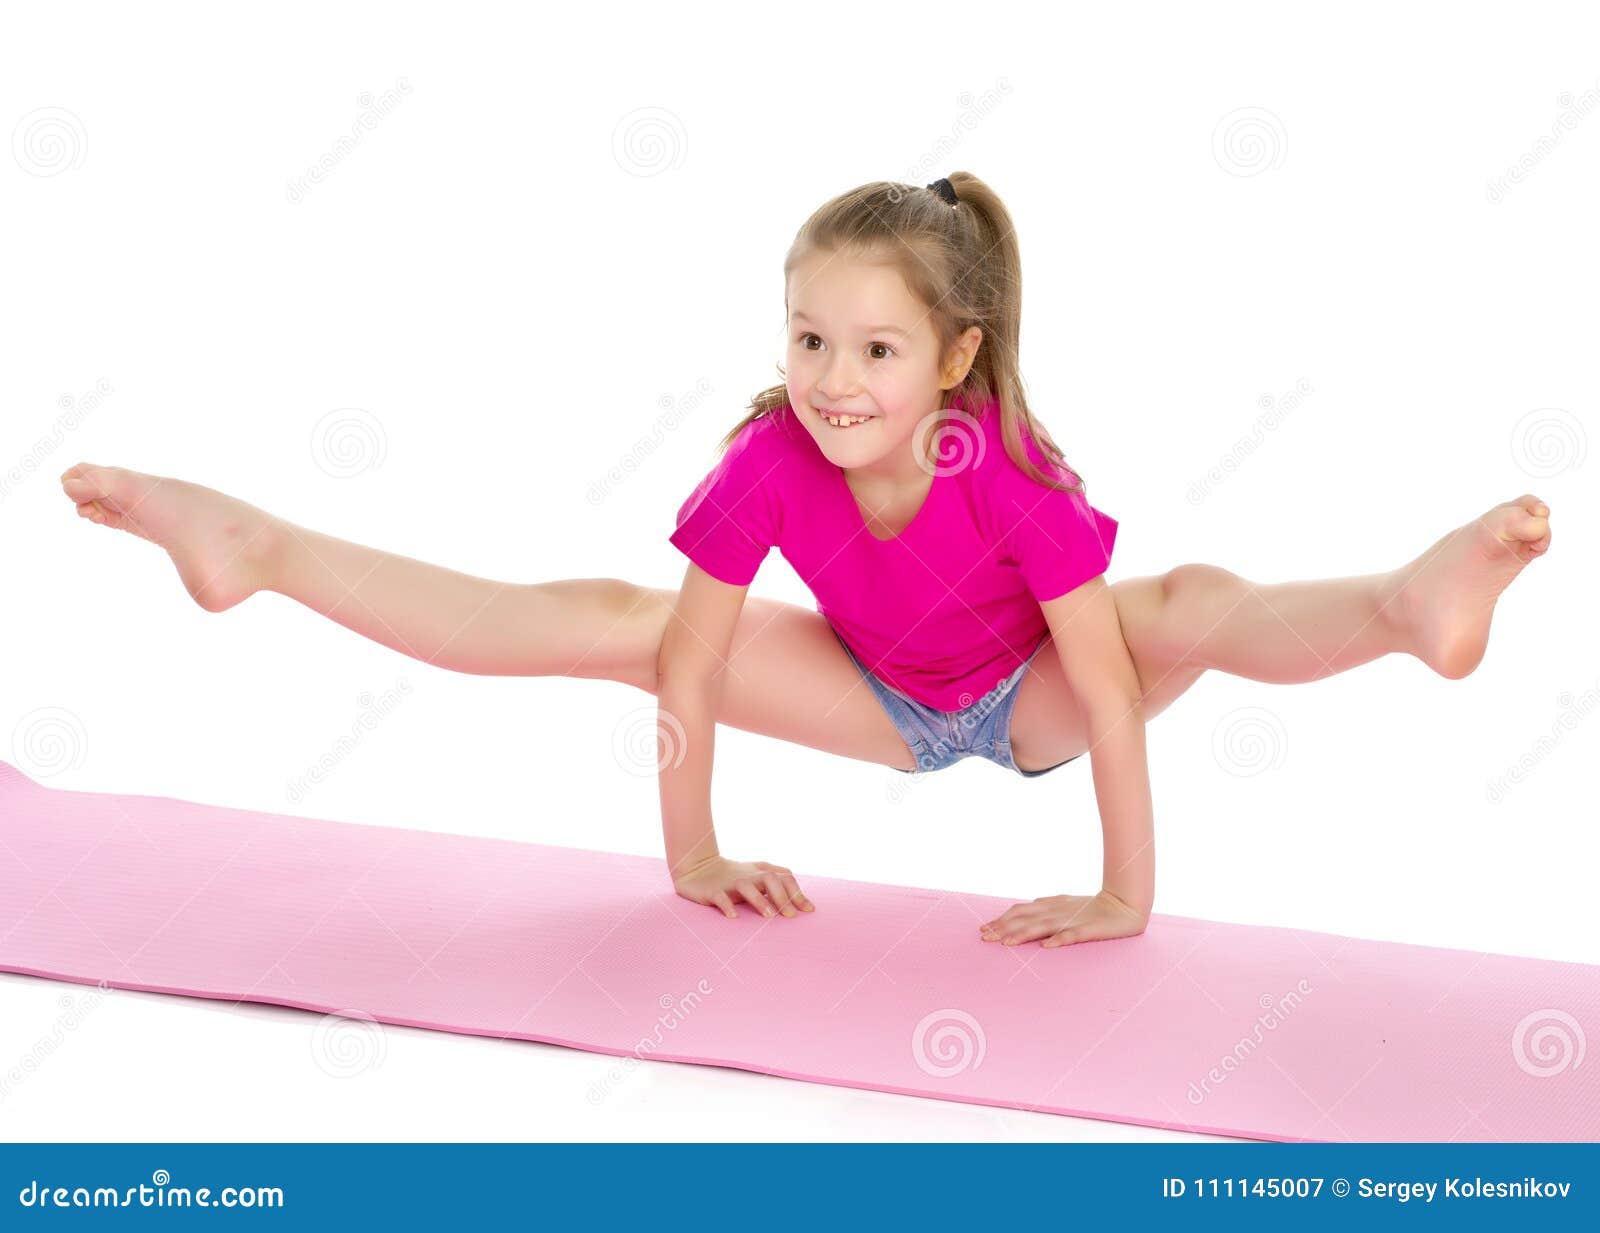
[[772, 880], [1030, 930], [1056, 917], [799, 896], [789, 887], [779, 891], [753, 896], [1011, 925]]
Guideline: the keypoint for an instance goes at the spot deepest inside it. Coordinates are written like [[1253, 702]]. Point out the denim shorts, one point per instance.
[[941, 738]]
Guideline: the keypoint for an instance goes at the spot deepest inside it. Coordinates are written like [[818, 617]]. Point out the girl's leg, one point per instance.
[[786, 675], [1437, 607]]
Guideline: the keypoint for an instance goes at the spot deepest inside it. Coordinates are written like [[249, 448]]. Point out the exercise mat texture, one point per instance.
[[1196, 1025]]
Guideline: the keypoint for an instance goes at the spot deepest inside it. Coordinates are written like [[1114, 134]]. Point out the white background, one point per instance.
[[515, 296]]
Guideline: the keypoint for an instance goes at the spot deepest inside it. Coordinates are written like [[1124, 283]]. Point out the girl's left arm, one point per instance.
[[1100, 671]]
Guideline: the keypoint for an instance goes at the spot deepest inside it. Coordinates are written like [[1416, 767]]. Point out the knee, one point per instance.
[[1194, 600], [1198, 583], [619, 626]]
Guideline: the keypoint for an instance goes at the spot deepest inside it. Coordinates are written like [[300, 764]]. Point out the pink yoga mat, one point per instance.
[[1239, 1030]]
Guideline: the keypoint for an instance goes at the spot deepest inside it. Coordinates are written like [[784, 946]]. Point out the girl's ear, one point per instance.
[[962, 352]]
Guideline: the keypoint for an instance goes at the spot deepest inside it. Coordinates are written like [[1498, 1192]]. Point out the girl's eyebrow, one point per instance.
[[870, 329]]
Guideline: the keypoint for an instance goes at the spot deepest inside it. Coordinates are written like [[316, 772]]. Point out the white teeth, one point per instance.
[[844, 421]]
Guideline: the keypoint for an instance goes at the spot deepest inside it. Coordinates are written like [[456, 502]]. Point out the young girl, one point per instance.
[[957, 564]]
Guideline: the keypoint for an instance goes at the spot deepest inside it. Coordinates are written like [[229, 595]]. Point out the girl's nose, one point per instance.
[[842, 374], [845, 382]]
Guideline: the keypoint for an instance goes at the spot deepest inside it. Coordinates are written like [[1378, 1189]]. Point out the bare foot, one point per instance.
[[1444, 600], [223, 547]]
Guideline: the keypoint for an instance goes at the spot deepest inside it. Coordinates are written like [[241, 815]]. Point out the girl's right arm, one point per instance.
[[694, 650]]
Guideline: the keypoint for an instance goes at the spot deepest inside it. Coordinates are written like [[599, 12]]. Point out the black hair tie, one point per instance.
[[945, 190]]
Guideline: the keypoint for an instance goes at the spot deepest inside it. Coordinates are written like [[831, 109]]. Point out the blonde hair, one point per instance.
[[962, 262]]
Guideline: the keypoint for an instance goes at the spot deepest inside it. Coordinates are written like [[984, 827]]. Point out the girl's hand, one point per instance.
[[1062, 920], [713, 880]]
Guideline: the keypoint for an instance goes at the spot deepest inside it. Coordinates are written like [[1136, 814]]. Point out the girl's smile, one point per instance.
[[841, 420]]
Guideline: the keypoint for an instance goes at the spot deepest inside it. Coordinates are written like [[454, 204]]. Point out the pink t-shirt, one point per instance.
[[943, 612]]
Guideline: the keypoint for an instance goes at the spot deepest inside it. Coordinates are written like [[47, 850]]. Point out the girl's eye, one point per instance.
[[885, 346]]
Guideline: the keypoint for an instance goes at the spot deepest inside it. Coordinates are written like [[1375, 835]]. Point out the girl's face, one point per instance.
[[862, 349]]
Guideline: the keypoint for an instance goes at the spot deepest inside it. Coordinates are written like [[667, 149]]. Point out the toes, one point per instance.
[[1529, 528], [83, 488], [1521, 523]]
